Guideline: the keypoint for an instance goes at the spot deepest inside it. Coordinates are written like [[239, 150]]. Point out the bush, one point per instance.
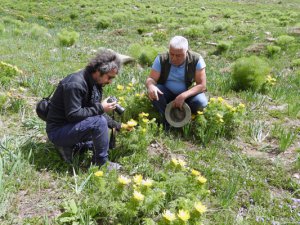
[[295, 63], [223, 46], [103, 23], [67, 38], [285, 40], [272, 50], [194, 32], [159, 35], [250, 73], [219, 119], [145, 54], [7, 72], [38, 31]]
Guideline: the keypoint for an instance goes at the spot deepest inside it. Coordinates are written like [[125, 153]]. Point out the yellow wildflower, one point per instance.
[[131, 123], [137, 95], [8, 94], [138, 196], [181, 162], [183, 215], [121, 98], [120, 87], [98, 173], [220, 99], [144, 130], [142, 114], [169, 216], [175, 161], [138, 179], [212, 99], [200, 207], [124, 180], [199, 112], [195, 172], [221, 120], [241, 105], [128, 88], [201, 179], [147, 182], [219, 115], [145, 120], [130, 84]]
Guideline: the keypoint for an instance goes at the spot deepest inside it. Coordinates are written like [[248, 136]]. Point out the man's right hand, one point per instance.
[[108, 107], [153, 92]]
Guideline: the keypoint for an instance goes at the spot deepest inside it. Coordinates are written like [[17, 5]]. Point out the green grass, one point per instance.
[[250, 174]]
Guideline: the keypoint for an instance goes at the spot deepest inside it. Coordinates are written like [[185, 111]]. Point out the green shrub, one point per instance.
[[272, 50], [285, 40], [250, 73], [67, 38], [159, 35], [223, 46], [145, 54], [295, 63], [194, 31], [103, 23], [153, 19], [3, 100], [38, 31], [7, 72], [220, 27]]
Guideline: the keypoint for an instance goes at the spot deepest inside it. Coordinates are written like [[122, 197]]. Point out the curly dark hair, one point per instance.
[[105, 61]]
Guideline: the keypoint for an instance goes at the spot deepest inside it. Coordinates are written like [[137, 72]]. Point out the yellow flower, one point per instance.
[[128, 88], [200, 207], [175, 161], [212, 99], [142, 114], [144, 130], [130, 84], [181, 162], [195, 172], [98, 173], [193, 116], [199, 112], [169, 216], [147, 182], [220, 99], [219, 115], [124, 125], [241, 105], [183, 215], [124, 180], [145, 120], [138, 179], [138, 196], [131, 123], [201, 179], [120, 87], [221, 120], [137, 95], [121, 98], [8, 94]]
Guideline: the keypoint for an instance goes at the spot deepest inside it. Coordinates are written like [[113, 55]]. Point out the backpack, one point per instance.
[[42, 107]]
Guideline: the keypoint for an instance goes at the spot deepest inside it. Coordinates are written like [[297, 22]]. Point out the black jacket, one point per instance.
[[76, 98]]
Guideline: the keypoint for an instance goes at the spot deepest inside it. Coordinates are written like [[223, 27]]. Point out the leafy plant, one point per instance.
[[249, 73], [273, 50], [103, 23], [7, 72], [67, 38], [285, 40]]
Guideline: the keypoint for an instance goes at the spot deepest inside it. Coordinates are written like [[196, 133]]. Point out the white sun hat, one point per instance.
[[178, 117]]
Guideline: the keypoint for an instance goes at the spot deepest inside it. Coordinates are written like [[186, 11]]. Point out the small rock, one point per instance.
[[296, 175], [268, 33], [269, 39]]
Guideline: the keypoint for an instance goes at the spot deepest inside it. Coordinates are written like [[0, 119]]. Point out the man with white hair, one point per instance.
[[172, 77]]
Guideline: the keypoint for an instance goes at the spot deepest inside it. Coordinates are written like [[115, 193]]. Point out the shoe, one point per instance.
[[113, 166], [66, 154]]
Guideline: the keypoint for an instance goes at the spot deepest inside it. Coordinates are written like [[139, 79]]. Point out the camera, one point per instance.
[[119, 109]]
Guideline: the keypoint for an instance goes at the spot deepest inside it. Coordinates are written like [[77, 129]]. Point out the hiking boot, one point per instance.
[[66, 154]]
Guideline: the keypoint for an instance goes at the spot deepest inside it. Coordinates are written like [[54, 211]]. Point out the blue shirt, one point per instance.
[[176, 79]]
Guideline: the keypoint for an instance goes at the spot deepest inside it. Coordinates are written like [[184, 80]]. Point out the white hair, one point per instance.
[[179, 42]]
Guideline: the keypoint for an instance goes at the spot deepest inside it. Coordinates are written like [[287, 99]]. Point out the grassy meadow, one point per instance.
[[238, 162]]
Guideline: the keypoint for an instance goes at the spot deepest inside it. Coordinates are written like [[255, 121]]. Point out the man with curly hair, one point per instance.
[[76, 114], [178, 76]]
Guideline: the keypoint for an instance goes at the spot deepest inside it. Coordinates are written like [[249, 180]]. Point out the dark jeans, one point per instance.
[[196, 103], [73, 134]]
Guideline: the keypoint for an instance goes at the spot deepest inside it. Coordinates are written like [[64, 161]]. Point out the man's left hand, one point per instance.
[[178, 101]]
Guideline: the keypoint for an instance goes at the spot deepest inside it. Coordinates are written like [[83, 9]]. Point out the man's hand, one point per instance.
[[153, 92], [108, 107], [179, 100]]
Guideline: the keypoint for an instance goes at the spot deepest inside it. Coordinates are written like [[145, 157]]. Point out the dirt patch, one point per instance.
[[41, 203]]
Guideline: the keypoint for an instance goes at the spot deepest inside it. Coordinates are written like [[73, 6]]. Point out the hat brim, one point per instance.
[[169, 115]]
